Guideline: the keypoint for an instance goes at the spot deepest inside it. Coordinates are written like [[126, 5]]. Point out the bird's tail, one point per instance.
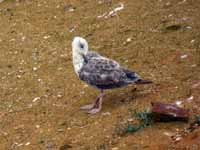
[[141, 81], [135, 78]]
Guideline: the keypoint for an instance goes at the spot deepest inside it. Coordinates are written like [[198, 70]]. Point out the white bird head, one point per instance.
[[80, 46]]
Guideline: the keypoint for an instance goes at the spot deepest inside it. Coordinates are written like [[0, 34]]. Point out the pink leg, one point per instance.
[[96, 106]]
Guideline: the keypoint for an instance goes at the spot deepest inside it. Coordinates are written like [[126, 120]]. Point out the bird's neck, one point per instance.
[[78, 62]]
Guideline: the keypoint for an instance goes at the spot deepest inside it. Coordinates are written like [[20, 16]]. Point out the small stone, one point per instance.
[[184, 56], [61, 130], [106, 114], [28, 143], [179, 103], [190, 98], [85, 86], [19, 76], [170, 15], [71, 9], [59, 95], [72, 29], [23, 38], [35, 68], [178, 139], [60, 68], [189, 27], [20, 144], [194, 65], [36, 99], [130, 119], [12, 40], [168, 134], [115, 148], [128, 40], [46, 37]]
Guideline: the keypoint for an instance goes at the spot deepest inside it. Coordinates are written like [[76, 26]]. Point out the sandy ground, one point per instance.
[[40, 94]]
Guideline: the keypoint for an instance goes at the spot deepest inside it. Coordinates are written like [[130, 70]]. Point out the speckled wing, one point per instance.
[[103, 73]]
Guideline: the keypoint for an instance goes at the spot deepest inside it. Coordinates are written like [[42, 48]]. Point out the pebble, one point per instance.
[[36, 99], [85, 86], [178, 139], [19, 76], [71, 10], [168, 134], [189, 27], [184, 56], [130, 119], [128, 40], [20, 144], [23, 38], [28, 143], [190, 98], [60, 68], [170, 15], [194, 65], [106, 114], [72, 29], [59, 95], [35, 68], [47, 36], [178, 103]]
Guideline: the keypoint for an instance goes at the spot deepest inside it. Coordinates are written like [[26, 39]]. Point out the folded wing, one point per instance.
[[105, 73]]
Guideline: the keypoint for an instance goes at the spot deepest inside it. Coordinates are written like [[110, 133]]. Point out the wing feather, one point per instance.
[[102, 72]]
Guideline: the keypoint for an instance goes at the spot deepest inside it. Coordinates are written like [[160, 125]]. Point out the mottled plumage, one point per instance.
[[105, 73], [100, 72]]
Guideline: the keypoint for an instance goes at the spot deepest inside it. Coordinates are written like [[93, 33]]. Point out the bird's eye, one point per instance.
[[81, 46]]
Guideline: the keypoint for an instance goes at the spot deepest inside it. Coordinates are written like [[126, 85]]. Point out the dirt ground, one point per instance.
[[40, 95]]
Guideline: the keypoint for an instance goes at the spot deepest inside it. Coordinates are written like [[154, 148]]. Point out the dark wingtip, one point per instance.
[[141, 81]]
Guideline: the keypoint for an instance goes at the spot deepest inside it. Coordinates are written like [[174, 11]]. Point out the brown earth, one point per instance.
[[40, 94]]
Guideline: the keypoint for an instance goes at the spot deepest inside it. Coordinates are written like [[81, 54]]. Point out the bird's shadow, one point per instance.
[[127, 96]]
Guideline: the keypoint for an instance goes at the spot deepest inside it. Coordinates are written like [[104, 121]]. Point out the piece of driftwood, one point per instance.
[[168, 112]]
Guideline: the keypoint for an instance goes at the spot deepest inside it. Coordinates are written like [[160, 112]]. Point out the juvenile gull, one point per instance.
[[100, 72]]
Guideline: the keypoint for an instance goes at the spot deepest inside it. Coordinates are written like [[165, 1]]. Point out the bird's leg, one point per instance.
[[93, 105], [98, 104]]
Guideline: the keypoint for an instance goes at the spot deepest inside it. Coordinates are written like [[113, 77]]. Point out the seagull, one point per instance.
[[100, 72]]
